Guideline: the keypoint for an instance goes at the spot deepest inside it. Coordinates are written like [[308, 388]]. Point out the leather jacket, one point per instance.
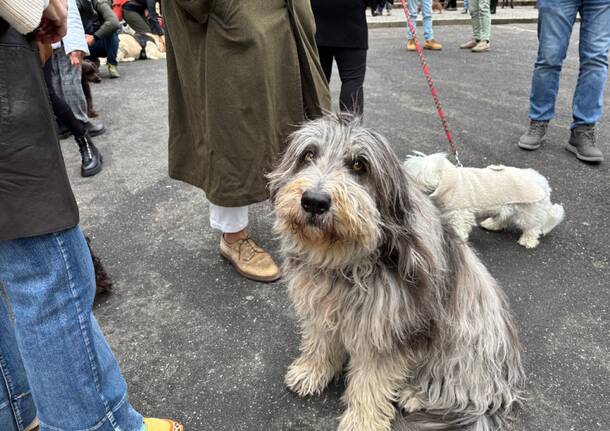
[[35, 193]]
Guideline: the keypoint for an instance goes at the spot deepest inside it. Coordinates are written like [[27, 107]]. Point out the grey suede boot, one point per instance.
[[534, 137], [582, 144]]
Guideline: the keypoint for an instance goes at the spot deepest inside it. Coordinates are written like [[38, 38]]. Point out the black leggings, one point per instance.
[[352, 67], [60, 108]]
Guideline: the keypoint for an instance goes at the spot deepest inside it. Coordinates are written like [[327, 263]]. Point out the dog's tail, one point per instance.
[[554, 217], [442, 421]]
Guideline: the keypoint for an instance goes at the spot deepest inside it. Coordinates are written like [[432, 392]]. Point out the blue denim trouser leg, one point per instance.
[[107, 47], [555, 23], [588, 101], [426, 10], [17, 409], [74, 378]]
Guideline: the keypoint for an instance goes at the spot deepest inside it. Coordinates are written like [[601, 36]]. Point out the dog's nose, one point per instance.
[[315, 202]]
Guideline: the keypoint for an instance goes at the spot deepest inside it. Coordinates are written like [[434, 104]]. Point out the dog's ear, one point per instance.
[[399, 203]]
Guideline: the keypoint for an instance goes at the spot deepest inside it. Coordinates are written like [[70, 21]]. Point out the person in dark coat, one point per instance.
[[242, 75], [342, 36]]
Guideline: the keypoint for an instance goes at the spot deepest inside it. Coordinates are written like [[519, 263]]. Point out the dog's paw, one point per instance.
[[529, 241], [305, 378], [490, 224], [363, 420]]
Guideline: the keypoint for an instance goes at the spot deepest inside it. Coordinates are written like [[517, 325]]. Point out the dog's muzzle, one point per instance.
[[315, 203]]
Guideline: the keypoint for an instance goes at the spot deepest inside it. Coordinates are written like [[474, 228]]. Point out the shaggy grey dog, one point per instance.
[[384, 288]]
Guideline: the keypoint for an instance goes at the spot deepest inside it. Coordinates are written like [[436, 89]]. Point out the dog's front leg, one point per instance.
[[373, 384], [322, 356]]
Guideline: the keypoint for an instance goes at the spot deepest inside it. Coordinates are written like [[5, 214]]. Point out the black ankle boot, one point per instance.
[[90, 157]]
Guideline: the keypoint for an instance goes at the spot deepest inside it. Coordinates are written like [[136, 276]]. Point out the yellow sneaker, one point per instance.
[[411, 45], [250, 260], [433, 45], [153, 424]]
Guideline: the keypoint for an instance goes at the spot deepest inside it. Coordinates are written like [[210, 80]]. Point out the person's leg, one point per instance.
[[326, 60], [136, 21], [250, 260], [475, 19], [412, 5], [75, 379], [228, 219], [91, 159], [107, 47], [352, 68], [112, 48], [17, 409], [68, 84], [60, 108], [588, 102], [555, 22], [484, 20], [426, 10]]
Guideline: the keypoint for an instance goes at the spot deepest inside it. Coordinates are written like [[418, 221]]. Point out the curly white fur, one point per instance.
[[533, 219]]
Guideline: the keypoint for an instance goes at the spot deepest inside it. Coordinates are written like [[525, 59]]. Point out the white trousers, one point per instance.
[[228, 219]]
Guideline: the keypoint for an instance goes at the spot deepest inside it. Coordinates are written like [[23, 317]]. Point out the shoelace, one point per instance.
[[537, 127], [590, 135], [253, 249]]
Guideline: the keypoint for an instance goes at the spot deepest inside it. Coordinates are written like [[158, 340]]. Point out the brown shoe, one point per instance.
[[411, 45], [433, 45], [250, 260]]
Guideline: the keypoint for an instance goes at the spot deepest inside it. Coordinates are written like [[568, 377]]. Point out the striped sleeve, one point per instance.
[[23, 15]]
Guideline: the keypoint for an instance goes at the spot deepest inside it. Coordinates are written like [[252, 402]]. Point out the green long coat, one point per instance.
[[242, 75]]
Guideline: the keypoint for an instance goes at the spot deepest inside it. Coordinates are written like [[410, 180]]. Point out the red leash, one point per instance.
[[426, 70]]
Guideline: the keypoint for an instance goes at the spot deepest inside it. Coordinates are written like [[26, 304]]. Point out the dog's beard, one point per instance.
[[348, 231]]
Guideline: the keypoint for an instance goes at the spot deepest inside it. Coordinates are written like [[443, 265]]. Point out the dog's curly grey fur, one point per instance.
[[381, 281]]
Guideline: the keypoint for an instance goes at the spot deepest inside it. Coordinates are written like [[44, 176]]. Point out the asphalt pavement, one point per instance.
[[200, 344]]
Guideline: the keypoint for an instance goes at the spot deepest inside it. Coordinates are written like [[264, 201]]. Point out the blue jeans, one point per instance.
[[555, 22], [107, 47], [465, 4], [426, 10], [55, 341]]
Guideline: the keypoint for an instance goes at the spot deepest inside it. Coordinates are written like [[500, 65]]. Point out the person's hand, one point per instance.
[[53, 25], [90, 39], [76, 58]]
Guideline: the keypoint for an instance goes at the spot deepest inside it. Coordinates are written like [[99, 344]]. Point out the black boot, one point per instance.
[[94, 129], [90, 157]]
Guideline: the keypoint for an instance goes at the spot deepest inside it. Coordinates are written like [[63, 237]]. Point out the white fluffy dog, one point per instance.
[[504, 196]]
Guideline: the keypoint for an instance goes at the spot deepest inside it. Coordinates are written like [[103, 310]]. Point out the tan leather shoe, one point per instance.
[[153, 424], [433, 45], [411, 45], [482, 46], [250, 260], [469, 45]]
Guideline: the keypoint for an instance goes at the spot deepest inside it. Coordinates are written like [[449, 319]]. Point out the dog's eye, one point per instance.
[[358, 166], [308, 156]]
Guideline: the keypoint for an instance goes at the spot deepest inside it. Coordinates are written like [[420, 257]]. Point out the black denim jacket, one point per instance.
[[35, 193]]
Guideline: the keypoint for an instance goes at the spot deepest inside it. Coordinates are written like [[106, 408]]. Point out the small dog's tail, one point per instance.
[[554, 217], [442, 421]]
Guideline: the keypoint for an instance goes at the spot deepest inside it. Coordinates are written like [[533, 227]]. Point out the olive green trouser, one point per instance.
[[137, 21], [481, 19]]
